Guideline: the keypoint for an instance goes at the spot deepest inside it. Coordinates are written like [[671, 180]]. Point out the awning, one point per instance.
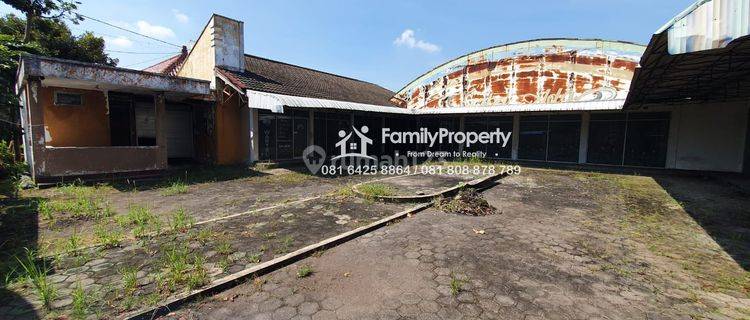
[[276, 103]]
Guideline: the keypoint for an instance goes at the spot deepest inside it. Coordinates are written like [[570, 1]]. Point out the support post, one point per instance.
[[515, 136], [583, 146], [160, 113]]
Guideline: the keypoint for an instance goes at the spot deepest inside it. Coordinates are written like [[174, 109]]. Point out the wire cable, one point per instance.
[[128, 30]]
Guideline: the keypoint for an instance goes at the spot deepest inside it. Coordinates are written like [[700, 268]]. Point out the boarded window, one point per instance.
[[68, 99]]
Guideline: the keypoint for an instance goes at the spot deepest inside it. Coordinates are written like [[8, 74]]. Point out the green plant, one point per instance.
[[198, 275], [108, 238], [181, 221], [204, 235], [129, 279], [74, 242], [456, 284], [10, 170], [286, 244], [36, 273], [175, 188], [224, 247], [255, 257], [376, 190], [80, 302], [304, 271]]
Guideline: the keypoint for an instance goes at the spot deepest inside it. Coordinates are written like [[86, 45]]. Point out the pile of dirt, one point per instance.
[[467, 202]]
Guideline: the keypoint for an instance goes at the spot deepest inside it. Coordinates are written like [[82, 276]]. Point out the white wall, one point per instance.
[[708, 136]]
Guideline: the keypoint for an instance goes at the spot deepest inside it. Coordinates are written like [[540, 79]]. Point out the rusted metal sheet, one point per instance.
[[539, 71], [708, 24]]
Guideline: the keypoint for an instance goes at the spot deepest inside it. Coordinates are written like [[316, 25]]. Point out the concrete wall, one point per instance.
[[75, 126], [220, 44], [708, 136]]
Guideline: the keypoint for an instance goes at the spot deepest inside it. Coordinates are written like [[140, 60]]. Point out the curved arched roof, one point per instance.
[[535, 71]]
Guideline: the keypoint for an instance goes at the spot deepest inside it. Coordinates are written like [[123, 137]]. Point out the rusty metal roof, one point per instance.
[[265, 75], [171, 65], [542, 71], [696, 58]]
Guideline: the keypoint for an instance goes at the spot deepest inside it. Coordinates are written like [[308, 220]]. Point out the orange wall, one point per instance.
[[232, 125], [67, 126]]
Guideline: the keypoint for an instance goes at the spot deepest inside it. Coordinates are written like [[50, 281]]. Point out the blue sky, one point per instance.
[[385, 42]]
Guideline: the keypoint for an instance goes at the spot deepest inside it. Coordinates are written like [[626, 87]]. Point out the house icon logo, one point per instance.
[[348, 148], [314, 157]]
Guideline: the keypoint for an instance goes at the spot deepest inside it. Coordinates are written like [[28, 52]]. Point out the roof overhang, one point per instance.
[[76, 74], [700, 56], [276, 103]]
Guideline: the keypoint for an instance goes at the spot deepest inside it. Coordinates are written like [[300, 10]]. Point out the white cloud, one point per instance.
[[153, 30], [407, 39], [181, 17], [120, 42]]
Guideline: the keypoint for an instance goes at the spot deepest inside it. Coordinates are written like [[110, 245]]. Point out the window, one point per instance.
[[282, 136], [632, 139], [68, 99]]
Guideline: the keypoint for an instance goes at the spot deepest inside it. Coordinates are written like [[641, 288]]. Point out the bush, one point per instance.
[[10, 170]]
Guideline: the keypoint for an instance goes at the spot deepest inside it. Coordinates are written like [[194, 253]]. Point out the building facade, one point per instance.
[[680, 103]]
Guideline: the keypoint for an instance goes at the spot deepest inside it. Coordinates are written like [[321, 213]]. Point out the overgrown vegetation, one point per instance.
[[466, 202], [10, 170], [375, 190], [36, 273], [175, 188]]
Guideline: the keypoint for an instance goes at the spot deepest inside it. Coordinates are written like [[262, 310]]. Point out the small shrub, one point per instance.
[[175, 188], [36, 273], [304, 271]]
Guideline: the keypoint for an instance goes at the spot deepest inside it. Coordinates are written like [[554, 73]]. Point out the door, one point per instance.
[[179, 130]]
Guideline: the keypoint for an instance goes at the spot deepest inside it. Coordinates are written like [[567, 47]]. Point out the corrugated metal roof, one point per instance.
[[277, 102], [708, 24]]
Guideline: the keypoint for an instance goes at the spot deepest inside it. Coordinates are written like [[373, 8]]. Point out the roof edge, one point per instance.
[[515, 43]]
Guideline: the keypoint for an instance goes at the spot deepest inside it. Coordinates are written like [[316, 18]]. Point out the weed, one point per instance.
[[224, 264], [74, 242], [456, 285], [181, 221], [344, 192], [254, 258], [224, 247], [37, 275], [269, 235], [198, 275], [286, 244], [204, 235], [129, 279], [258, 283], [108, 238], [80, 302], [373, 190], [175, 188], [304, 271]]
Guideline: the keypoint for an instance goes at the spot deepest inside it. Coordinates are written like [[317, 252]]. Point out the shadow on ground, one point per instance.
[[19, 230], [720, 204]]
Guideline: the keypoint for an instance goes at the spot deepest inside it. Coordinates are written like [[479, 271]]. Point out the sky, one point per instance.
[[389, 43]]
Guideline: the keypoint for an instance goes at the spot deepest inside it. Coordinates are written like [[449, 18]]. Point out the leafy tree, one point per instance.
[[54, 10]]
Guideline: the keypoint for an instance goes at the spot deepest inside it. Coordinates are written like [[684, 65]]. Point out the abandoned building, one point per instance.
[[679, 103]]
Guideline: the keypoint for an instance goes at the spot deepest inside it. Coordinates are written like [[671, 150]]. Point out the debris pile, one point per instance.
[[467, 202]]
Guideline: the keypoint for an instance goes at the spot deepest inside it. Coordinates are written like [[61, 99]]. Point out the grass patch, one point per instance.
[[81, 302], [344, 192], [140, 219], [175, 188], [182, 268], [36, 273], [106, 237], [224, 247], [304, 271], [376, 190], [181, 221], [129, 280]]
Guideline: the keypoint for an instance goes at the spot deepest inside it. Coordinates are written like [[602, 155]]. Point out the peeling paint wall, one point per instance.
[[541, 71], [75, 126]]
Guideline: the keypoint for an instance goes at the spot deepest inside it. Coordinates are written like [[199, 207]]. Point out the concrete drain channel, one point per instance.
[[235, 279]]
